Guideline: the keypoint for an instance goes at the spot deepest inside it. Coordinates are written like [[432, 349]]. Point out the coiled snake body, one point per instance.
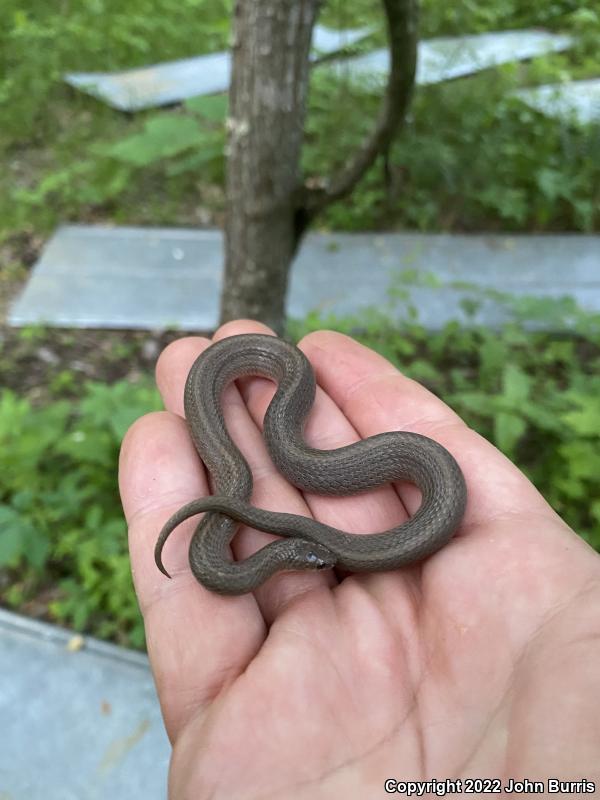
[[354, 468]]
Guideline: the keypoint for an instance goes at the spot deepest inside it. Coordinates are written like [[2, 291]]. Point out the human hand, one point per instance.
[[482, 662]]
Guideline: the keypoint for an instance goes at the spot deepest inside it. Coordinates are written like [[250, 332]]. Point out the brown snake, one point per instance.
[[380, 459]]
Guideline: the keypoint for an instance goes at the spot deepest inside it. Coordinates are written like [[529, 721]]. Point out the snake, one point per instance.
[[304, 543]]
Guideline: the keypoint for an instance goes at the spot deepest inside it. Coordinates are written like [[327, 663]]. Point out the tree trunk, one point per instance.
[[271, 45], [268, 206]]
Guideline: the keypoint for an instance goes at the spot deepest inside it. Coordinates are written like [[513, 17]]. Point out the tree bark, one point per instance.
[[268, 206], [271, 45]]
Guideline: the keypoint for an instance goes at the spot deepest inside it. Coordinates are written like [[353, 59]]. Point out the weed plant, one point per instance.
[[63, 541]]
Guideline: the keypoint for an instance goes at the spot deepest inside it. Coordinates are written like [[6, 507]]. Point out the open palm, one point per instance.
[[482, 662]]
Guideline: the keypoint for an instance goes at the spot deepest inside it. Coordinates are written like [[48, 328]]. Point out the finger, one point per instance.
[[196, 641], [271, 490], [377, 397]]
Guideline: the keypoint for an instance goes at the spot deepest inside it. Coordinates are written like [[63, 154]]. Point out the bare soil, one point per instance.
[[31, 358]]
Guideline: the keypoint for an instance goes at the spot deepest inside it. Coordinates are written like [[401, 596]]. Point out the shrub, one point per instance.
[[534, 394], [62, 534]]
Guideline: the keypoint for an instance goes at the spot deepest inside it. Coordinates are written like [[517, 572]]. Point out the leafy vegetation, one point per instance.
[[63, 542], [472, 158], [469, 158], [40, 41], [62, 534], [533, 394]]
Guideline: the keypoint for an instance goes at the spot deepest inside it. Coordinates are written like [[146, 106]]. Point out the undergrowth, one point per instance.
[[470, 156], [534, 394], [62, 534], [63, 541]]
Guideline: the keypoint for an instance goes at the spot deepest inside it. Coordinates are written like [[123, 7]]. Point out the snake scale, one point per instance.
[[312, 545]]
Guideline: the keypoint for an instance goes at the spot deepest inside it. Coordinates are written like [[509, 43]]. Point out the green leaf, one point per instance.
[[470, 306], [11, 547], [516, 384], [38, 549], [582, 459], [211, 150], [492, 356], [551, 182], [212, 107], [474, 401], [586, 420], [508, 429], [13, 412], [88, 447], [162, 137], [19, 539]]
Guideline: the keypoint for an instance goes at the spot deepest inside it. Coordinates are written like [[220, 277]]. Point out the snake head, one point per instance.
[[313, 556]]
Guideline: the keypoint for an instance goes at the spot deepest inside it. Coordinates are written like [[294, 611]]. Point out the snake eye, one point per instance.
[[317, 562]]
